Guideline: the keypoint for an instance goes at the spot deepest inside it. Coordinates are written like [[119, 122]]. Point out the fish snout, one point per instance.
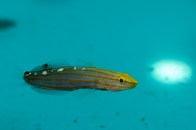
[[133, 83]]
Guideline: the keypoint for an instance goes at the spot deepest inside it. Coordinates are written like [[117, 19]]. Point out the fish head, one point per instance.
[[118, 82], [125, 81]]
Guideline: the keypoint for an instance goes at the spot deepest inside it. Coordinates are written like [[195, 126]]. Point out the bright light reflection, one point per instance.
[[171, 71]]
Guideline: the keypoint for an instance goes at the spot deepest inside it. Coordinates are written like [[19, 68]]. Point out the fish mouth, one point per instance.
[[132, 86], [133, 81]]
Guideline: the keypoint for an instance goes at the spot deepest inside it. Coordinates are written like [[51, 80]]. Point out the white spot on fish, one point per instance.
[[44, 73], [35, 73], [61, 69], [28, 74], [74, 68], [83, 68]]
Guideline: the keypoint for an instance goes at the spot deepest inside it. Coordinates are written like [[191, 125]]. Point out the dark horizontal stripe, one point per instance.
[[63, 80]]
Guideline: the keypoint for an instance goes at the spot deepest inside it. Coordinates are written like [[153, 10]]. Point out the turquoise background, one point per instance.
[[125, 35]]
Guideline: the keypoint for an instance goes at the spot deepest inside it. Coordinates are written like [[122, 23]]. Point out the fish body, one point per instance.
[[73, 78]]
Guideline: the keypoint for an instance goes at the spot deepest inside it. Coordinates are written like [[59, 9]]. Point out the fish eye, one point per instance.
[[121, 80]]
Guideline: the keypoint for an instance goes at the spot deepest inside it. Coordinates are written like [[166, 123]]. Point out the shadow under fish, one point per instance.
[[69, 78], [6, 23]]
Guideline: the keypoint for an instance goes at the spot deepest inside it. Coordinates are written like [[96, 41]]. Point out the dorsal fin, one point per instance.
[[51, 65]]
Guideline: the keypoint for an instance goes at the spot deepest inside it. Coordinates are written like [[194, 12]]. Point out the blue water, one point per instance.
[[126, 36]]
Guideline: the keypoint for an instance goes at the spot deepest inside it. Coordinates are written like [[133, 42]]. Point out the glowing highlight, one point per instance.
[[171, 71]]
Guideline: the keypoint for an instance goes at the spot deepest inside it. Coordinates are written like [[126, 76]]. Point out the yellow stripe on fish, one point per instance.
[[73, 78]]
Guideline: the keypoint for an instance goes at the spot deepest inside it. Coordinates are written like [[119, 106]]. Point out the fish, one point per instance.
[[71, 78]]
